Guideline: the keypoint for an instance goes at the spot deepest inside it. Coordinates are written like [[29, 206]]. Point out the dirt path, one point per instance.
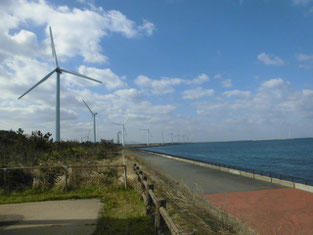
[[50, 217]]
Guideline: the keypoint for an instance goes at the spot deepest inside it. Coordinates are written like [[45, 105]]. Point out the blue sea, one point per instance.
[[290, 159]]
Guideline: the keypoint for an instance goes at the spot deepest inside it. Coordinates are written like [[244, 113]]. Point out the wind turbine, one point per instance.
[[94, 122], [162, 138], [171, 134], [123, 130], [148, 135], [58, 71]]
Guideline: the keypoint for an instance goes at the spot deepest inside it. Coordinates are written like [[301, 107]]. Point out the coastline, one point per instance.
[[241, 171]]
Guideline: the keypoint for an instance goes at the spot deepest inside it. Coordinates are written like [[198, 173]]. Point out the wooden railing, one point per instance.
[[156, 206]]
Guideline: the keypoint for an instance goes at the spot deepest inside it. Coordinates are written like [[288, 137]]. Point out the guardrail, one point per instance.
[[156, 206], [65, 168], [293, 179]]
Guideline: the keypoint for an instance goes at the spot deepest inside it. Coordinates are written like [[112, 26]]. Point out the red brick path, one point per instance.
[[274, 211]]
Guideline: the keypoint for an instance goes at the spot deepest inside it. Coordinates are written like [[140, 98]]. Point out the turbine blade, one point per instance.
[[54, 54], [126, 121], [38, 83], [88, 107], [125, 130], [118, 124], [79, 75]]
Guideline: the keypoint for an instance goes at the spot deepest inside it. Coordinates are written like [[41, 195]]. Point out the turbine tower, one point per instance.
[[148, 135], [123, 130], [94, 122], [118, 137], [58, 71]]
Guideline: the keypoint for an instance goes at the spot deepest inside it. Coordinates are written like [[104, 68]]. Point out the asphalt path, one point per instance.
[[51, 217], [202, 180]]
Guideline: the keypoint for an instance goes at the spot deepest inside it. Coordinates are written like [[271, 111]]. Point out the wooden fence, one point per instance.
[[156, 206]]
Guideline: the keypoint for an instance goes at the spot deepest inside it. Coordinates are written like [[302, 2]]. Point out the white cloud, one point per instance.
[[307, 92], [306, 60], [270, 111], [275, 83], [147, 28], [157, 87], [197, 93], [301, 2], [227, 83], [202, 78], [166, 85], [218, 76], [130, 93], [304, 57], [237, 93], [270, 59], [69, 28], [111, 80]]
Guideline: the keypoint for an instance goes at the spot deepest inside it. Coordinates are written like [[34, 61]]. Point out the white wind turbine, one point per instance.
[[94, 122], [58, 71], [162, 134], [148, 134], [171, 134], [123, 130]]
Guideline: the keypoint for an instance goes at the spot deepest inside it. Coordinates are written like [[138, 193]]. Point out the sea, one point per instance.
[[290, 159]]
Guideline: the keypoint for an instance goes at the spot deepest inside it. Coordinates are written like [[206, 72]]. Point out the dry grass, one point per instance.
[[190, 211]]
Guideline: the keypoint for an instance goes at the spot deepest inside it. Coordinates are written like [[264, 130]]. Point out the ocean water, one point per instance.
[[290, 158]]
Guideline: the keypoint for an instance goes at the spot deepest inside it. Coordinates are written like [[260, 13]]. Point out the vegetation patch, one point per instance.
[[123, 213], [36, 195]]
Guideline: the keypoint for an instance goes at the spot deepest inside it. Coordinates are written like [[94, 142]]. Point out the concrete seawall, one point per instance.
[[285, 183]]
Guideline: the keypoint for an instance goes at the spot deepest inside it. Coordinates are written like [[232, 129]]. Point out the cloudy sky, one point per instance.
[[208, 71]]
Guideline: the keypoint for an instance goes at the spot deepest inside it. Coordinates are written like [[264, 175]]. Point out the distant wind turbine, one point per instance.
[[94, 122], [58, 71], [148, 135], [162, 137], [123, 130], [171, 134]]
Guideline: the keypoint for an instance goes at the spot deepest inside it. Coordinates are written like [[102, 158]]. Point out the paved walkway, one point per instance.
[[265, 207], [201, 179], [50, 217]]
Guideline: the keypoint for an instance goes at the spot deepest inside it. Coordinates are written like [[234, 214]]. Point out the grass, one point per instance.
[[35, 195], [123, 213]]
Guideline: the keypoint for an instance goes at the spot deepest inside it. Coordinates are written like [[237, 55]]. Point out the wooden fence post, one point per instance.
[[142, 185], [149, 205], [158, 220]]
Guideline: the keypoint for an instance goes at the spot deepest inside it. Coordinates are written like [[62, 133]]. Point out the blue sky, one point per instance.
[[209, 71]]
